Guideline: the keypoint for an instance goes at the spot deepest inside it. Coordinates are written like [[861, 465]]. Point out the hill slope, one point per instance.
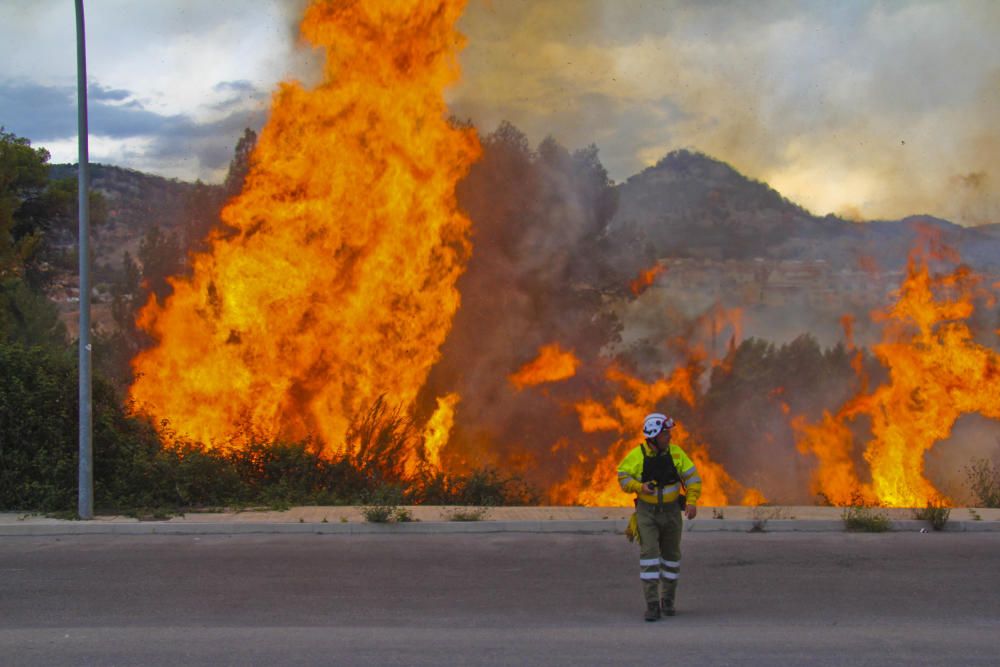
[[136, 202], [691, 205]]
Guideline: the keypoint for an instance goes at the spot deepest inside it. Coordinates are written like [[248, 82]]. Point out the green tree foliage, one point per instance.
[[23, 176], [27, 317], [39, 436], [29, 205], [38, 216], [38, 407]]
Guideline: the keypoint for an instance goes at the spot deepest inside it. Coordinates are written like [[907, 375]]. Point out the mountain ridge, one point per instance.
[[692, 205], [688, 204]]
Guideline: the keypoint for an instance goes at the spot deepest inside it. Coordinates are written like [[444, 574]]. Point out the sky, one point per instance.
[[868, 110]]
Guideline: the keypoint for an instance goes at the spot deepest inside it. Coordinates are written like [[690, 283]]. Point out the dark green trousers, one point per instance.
[[659, 549]]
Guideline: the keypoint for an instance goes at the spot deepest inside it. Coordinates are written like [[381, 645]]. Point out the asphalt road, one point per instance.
[[504, 599]]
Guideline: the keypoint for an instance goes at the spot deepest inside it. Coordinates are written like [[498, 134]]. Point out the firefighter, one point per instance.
[[666, 485]]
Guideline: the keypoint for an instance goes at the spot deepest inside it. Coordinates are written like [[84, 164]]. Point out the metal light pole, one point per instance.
[[86, 496]]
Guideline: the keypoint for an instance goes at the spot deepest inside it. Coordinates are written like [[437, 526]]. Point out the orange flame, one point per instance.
[[646, 278], [937, 372], [333, 282], [593, 481], [438, 429], [551, 365], [595, 417]]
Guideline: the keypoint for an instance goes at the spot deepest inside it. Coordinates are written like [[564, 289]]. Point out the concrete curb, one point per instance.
[[281, 528], [579, 526]]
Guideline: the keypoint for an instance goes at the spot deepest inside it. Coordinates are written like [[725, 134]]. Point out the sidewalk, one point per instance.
[[434, 519]]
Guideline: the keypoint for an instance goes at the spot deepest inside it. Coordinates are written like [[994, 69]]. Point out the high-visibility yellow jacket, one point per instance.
[[630, 475]]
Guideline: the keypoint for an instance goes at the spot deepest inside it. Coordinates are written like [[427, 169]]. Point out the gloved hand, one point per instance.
[[691, 511]]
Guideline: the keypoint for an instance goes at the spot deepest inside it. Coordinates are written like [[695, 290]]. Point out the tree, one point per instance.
[[204, 205], [126, 293], [239, 166], [201, 215], [27, 317], [38, 216], [28, 206], [23, 177], [52, 218], [160, 256]]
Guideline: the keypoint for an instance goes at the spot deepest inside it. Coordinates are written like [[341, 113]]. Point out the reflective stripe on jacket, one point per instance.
[[630, 474]]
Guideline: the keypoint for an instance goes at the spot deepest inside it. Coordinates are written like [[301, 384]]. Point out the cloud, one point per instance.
[[96, 91], [48, 114], [38, 112], [173, 84], [238, 94], [877, 107]]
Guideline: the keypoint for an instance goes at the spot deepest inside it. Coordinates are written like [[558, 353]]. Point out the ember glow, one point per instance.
[[332, 282], [551, 365], [937, 373]]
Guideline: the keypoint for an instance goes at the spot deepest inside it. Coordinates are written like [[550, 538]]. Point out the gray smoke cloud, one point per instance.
[[871, 110]]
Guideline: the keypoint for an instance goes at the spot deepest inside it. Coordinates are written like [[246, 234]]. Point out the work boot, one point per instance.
[[652, 611], [667, 607]]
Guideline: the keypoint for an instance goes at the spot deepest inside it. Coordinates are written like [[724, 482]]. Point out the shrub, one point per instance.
[[761, 514], [485, 487], [38, 429], [193, 476], [383, 506], [286, 473], [865, 518], [375, 441], [28, 317], [467, 514], [936, 514], [983, 476]]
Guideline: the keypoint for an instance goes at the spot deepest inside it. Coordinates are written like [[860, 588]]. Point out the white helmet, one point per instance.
[[654, 423]]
